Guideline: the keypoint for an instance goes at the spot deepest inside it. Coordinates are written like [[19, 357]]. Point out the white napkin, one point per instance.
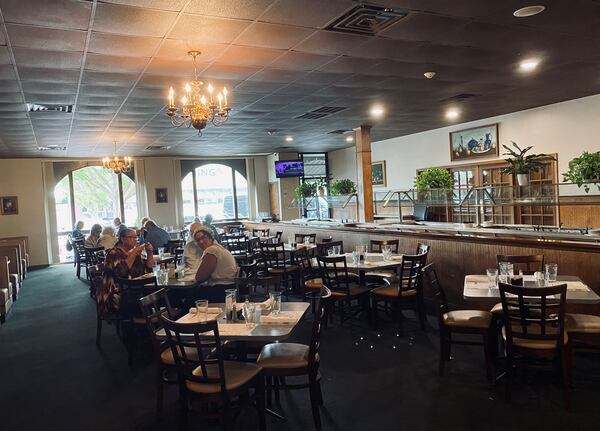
[[211, 310], [266, 305], [283, 318]]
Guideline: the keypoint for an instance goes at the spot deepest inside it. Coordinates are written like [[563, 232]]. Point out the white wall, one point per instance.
[[160, 173], [261, 184], [24, 178], [342, 164], [567, 128]]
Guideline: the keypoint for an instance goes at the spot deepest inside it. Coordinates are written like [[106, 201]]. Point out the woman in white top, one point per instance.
[[108, 239], [218, 267]]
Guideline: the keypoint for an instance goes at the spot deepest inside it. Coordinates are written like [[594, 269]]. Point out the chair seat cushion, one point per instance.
[[497, 309], [468, 318], [392, 292], [582, 323], [314, 284], [237, 374], [525, 343], [354, 291], [283, 356], [282, 270], [381, 274], [166, 356]]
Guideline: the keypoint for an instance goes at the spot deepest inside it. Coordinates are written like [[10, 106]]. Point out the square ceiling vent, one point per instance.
[[39, 107], [366, 20]]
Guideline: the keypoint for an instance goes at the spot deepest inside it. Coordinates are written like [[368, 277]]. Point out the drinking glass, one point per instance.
[[202, 310], [180, 271], [161, 251], [507, 270], [492, 275], [386, 250], [230, 299], [276, 300], [249, 310], [156, 270], [551, 272], [163, 277], [355, 258], [306, 241], [330, 252], [337, 250]]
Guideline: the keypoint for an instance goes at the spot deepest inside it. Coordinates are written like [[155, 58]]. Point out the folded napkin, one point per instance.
[[283, 318], [211, 310], [476, 279], [145, 276], [266, 305], [167, 255]]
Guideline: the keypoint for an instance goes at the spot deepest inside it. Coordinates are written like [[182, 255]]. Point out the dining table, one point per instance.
[[371, 262], [478, 287]]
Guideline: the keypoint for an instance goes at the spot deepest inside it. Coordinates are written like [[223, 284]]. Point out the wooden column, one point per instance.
[[363, 167]]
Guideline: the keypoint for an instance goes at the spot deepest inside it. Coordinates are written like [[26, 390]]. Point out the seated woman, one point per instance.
[[93, 239], [77, 230], [218, 267], [108, 239], [122, 261]]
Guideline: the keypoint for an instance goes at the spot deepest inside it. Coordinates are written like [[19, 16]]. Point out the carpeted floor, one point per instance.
[[53, 377]]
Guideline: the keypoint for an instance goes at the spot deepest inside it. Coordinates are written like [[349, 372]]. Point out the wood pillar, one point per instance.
[[363, 167]]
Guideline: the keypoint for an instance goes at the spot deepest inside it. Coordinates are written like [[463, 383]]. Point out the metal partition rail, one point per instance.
[[325, 201]]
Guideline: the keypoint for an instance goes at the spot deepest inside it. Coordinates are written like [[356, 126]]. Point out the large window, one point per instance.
[[316, 169], [215, 189], [92, 195]]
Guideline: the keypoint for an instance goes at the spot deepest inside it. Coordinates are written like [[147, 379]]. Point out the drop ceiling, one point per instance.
[[114, 61]]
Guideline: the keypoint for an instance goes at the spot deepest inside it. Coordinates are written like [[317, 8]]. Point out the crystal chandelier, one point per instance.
[[117, 165], [196, 109]]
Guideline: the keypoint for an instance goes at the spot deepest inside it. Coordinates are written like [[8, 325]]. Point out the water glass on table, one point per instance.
[[249, 310], [355, 258], [507, 270], [202, 310], [163, 277], [230, 300], [161, 252], [492, 275], [551, 272], [276, 302], [386, 251]]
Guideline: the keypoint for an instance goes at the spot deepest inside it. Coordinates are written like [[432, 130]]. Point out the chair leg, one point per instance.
[[226, 417], [159, 390], [269, 390], [444, 345], [98, 330], [260, 403], [314, 400], [487, 351], [565, 364], [509, 377], [422, 315]]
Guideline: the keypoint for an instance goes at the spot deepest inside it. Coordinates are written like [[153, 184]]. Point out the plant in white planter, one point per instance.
[[342, 187], [521, 164], [583, 170]]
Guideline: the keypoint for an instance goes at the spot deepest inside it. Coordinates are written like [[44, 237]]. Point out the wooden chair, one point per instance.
[[583, 330], [80, 257], [407, 290], [96, 273], [260, 232], [529, 264], [323, 247], [377, 278], [535, 327], [334, 273], [422, 248], [153, 306], [6, 295], [249, 285], [275, 263], [281, 360], [278, 235], [210, 379], [301, 237], [93, 256], [173, 244], [376, 246], [472, 322]]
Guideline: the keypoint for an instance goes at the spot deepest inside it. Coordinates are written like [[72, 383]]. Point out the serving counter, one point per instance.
[[458, 250]]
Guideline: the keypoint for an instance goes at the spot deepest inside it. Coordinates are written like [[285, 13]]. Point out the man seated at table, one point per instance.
[[155, 235], [192, 253], [218, 267], [141, 232], [208, 218], [119, 227]]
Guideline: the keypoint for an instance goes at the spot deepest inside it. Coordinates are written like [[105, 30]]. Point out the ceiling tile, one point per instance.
[[172, 5], [46, 38], [207, 29], [132, 21], [67, 14], [131, 46], [331, 43], [240, 9], [114, 64], [248, 56], [59, 60], [300, 61], [274, 36], [302, 13], [173, 49]]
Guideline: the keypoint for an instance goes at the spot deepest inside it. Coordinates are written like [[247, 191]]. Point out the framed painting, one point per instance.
[[474, 143], [161, 196], [378, 175], [10, 205]]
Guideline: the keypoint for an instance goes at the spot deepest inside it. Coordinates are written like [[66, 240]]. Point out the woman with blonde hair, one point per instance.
[[108, 239]]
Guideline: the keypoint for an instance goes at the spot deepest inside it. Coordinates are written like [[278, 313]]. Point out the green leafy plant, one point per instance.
[[584, 169], [305, 190], [434, 178], [343, 187], [321, 184], [520, 163]]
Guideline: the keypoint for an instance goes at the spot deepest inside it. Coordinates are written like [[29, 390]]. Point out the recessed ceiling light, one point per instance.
[[529, 64], [377, 111], [429, 75], [289, 139], [452, 114], [350, 138], [527, 11]]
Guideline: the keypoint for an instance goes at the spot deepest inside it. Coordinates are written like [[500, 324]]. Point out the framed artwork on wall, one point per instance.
[[10, 205], [378, 175], [474, 143], [161, 196]]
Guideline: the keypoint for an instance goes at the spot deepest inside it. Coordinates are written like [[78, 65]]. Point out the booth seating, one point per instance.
[[6, 295], [23, 243], [14, 269]]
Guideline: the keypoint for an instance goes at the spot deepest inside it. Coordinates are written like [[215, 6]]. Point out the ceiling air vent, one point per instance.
[[339, 132], [459, 97], [366, 20], [158, 147], [52, 148], [321, 112], [36, 107]]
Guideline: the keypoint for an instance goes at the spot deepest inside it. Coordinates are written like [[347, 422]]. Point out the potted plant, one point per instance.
[[305, 190], [434, 178], [583, 170], [521, 164], [342, 187]]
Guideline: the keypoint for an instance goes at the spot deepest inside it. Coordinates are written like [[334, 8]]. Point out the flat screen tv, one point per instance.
[[289, 168]]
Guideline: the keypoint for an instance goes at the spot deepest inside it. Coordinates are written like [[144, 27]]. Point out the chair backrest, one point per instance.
[[301, 237], [79, 248], [534, 313], [278, 235], [174, 244], [375, 246], [130, 293], [529, 264], [94, 255], [260, 232], [269, 284], [96, 274], [422, 248], [324, 246], [236, 244], [317, 328], [430, 275], [273, 254], [153, 306], [201, 337], [304, 262], [334, 273], [410, 273]]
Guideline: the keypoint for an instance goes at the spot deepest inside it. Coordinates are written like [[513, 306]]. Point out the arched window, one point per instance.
[[93, 195], [215, 189]]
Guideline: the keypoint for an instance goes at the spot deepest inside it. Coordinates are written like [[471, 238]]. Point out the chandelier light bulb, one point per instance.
[[225, 95], [184, 100], [203, 100]]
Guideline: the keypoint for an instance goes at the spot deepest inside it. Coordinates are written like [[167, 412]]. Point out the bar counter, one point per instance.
[[459, 250]]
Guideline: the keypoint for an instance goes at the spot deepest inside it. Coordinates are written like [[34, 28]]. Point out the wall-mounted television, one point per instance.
[[289, 168]]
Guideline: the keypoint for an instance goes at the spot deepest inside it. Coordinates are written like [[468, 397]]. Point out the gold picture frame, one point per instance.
[[474, 143], [378, 174]]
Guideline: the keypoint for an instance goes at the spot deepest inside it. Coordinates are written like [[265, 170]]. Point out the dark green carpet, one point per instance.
[[52, 377]]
